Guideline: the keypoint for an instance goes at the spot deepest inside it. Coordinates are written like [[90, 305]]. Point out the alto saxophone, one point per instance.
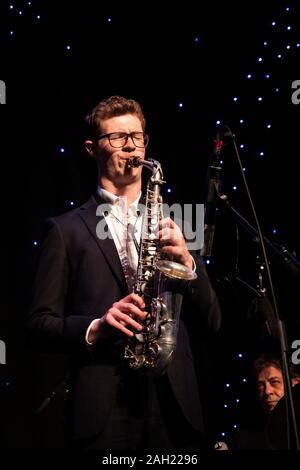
[[160, 282]]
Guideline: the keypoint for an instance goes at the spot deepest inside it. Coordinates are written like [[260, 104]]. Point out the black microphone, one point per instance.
[[213, 189]]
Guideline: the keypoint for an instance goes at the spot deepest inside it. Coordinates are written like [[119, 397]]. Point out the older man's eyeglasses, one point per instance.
[[119, 139]]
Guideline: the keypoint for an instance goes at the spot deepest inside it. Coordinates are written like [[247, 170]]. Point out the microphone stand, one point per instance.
[[293, 265], [277, 252]]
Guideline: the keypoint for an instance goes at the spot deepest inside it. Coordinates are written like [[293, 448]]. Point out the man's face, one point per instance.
[[270, 387], [112, 162]]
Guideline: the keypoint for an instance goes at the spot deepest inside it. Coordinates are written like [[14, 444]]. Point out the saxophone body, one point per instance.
[[160, 282]]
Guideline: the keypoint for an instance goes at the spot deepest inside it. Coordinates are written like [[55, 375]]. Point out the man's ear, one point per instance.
[[89, 147], [295, 380]]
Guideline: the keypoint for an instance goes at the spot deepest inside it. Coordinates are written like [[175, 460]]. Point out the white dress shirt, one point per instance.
[[125, 225]]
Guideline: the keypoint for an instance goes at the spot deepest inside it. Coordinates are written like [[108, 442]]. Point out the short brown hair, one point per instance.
[[271, 360], [264, 361], [111, 107]]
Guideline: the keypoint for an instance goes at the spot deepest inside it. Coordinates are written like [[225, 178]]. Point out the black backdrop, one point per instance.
[[152, 56]]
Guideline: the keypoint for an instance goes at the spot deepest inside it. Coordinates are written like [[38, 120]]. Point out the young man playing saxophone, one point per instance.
[[84, 303]]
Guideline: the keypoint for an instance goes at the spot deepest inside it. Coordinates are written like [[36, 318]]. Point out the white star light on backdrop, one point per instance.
[[27, 12], [280, 27]]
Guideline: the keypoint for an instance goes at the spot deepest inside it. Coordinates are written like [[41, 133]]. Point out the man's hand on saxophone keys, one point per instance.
[[173, 243], [123, 316]]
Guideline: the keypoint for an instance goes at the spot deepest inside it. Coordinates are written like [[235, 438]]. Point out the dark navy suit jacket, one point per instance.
[[78, 279]]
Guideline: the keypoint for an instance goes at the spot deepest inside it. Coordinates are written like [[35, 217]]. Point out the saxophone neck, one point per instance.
[[152, 165]]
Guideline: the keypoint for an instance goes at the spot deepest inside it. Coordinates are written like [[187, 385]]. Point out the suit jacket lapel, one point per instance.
[[107, 244]]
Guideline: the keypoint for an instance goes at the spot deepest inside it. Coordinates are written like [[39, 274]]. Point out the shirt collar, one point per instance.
[[112, 199]]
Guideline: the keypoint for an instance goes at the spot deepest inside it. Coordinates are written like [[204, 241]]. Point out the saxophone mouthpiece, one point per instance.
[[134, 162]]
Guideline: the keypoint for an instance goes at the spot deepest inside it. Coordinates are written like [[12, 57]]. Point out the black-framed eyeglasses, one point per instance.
[[119, 139]]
